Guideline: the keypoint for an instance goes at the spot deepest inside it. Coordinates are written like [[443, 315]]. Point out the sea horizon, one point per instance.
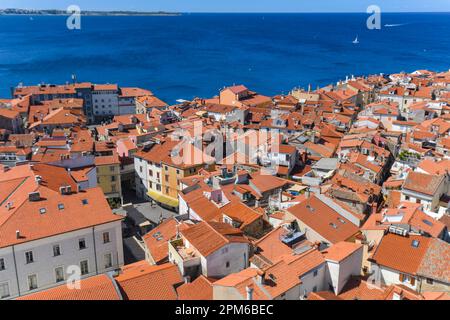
[[197, 54]]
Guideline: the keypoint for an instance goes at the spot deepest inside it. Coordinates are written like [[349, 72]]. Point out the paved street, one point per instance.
[[132, 252], [139, 211]]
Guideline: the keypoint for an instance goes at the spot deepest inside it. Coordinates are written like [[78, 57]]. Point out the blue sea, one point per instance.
[[197, 54]]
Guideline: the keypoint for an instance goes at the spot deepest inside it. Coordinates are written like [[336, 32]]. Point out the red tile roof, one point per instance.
[[324, 220], [200, 289], [99, 287], [207, 238], [142, 281]]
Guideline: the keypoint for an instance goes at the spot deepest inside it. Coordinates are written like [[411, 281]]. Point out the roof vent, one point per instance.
[[38, 179], [65, 190], [9, 205], [272, 277], [34, 196]]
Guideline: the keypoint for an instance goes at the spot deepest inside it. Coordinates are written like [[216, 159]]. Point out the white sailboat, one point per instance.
[[356, 41]]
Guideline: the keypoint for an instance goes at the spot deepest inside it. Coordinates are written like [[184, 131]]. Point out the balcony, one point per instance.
[[185, 258]]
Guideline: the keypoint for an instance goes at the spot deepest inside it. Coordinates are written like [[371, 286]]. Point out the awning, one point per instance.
[[159, 197], [145, 224], [296, 188]]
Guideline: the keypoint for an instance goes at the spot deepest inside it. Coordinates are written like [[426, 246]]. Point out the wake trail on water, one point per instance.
[[395, 25]]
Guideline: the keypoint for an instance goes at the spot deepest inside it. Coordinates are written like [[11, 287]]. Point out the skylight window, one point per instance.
[[333, 225], [157, 234], [60, 206], [341, 220], [42, 210], [428, 222], [415, 243], [84, 201]]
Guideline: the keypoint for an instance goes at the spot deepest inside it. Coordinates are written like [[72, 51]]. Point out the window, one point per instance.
[[56, 250], [113, 188], [84, 267], [42, 210], [29, 257], [140, 169], [315, 289], [32, 282], [60, 206], [430, 281], [111, 168], [59, 274], [113, 178], [167, 190], [167, 178], [84, 202], [108, 260], [316, 272], [2, 264], [227, 264], [150, 173], [158, 187], [4, 290], [404, 278], [178, 171], [106, 237], [82, 244]]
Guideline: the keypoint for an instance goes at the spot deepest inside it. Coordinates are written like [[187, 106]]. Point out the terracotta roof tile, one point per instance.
[[142, 281], [323, 220], [200, 289], [94, 288]]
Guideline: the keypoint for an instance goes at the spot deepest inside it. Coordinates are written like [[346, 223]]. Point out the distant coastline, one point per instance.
[[54, 12]]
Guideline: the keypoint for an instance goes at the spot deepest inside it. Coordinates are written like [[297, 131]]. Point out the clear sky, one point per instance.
[[237, 5]]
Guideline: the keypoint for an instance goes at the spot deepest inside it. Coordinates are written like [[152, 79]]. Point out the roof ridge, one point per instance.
[[219, 233], [17, 208], [15, 189]]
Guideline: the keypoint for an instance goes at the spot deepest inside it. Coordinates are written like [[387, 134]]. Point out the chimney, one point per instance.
[[216, 196], [187, 279], [34, 196], [249, 293], [17, 234], [374, 207], [308, 193]]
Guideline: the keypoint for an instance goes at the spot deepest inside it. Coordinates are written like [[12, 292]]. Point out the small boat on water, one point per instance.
[[356, 41]]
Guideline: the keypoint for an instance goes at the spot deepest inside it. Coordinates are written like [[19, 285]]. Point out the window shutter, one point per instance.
[[402, 277], [413, 281]]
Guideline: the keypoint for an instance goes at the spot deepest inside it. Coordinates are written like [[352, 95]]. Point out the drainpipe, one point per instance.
[[15, 269], [95, 250], [249, 293]]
